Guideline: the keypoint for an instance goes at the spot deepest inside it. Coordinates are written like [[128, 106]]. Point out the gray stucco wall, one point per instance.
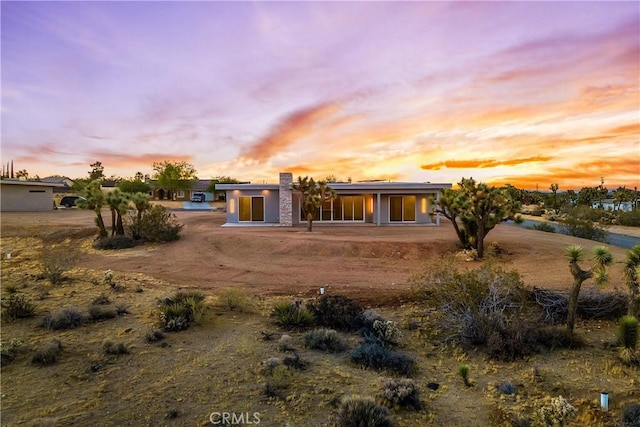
[[19, 198], [271, 206]]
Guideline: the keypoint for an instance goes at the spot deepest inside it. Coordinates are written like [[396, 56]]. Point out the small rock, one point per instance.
[[433, 386]]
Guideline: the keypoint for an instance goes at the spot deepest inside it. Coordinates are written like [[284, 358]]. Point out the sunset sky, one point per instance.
[[527, 93]]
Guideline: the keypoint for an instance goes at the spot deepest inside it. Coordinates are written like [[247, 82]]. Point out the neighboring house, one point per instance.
[[200, 186], [379, 203], [609, 205], [26, 196], [66, 182]]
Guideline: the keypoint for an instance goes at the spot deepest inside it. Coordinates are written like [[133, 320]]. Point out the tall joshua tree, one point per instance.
[[312, 195], [602, 259], [631, 276], [141, 202], [94, 200], [118, 202]]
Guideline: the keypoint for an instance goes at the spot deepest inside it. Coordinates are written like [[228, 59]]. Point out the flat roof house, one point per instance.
[[26, 196], [379, 203]]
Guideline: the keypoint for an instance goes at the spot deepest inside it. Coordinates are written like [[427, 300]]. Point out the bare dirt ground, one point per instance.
[[362, 261], [218, 365]]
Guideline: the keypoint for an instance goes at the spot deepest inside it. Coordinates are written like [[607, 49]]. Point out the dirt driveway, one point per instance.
[[364, 261]]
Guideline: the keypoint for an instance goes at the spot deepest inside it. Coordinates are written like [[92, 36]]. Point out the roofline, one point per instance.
[[372, 187], [31, 183]]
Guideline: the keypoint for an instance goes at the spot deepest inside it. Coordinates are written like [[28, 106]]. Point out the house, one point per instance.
[[379, 203], [199, 186], [66, 182], [26, 196]]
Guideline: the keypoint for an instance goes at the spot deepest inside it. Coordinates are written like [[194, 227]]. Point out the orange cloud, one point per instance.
[[489, 163], [290, 130]]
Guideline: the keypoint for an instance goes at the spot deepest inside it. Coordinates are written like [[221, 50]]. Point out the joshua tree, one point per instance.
[[631, 275], [118, 203], [478, 208], [312, 195], [94, 200], [141, 202], [554, 190], [602, 259]]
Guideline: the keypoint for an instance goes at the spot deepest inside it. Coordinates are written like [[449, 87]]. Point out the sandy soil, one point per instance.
[[366, 262]]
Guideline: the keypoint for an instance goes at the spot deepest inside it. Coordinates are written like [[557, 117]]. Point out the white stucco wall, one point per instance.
[[25, 198]]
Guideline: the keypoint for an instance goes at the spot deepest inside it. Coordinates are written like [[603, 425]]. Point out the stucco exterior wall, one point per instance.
[[271, 205], [18, 198]]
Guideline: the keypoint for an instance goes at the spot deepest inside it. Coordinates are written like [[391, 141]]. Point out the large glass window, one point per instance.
[[251, 208], [342, 208], [402, 208]]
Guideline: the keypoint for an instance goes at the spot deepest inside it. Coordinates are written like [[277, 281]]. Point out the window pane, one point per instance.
[[358, 208], [337, 209], [326, 211], [395, 208], [257, 209], [409, 208], [244, 208], [347, 203]]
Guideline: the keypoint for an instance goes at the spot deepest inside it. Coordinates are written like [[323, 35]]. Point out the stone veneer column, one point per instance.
[[286, 202]]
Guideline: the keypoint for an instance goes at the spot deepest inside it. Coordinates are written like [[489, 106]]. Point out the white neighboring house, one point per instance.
[[26, 196]]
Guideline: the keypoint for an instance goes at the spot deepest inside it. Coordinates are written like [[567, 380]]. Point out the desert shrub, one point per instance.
[[295, 361], [336, 312], [629, 218], [98, 313], [388, 332], [555, 337], [631, 415], [628, 339], [326, 340], [471, 304], [182, 308], [18, 306], [65, 318], [101, 299], [285, 343], [374, 354], [173, 317], [158, 224], [401, 392], [292, 316], [511, 342], [57, 260], [507, 388], [9, 350], [583, 228], [47, 355], [234, 299], [543, 226], [278, 379], [358, 411], [368, 317], [110, 347], [628, 332], [122, 309], [592, 305], [115, 242], [557, 412], [153, 336]]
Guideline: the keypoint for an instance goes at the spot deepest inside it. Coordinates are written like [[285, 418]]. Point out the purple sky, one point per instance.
[[527, 93]]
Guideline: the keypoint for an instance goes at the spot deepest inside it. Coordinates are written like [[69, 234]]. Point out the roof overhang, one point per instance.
[[30, 183]]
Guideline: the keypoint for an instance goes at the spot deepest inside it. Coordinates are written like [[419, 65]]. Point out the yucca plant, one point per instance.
[[602, 259], [291, 315], [628, 338], [464, 373], [631, 275]]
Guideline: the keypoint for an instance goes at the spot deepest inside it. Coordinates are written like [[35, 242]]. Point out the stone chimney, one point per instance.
[[286, 201]]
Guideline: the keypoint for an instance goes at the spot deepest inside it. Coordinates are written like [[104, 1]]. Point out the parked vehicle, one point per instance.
[[198, 197], [70, 201]]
